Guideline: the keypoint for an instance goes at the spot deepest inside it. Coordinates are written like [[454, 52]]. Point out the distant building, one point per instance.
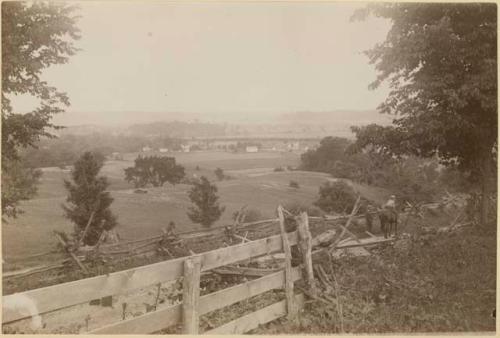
[[186, 148], [252, 149], [146, 149], [163, 150]]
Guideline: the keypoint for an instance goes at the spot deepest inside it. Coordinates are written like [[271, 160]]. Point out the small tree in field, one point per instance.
[[219, 173], [206, 209], [88, 199]]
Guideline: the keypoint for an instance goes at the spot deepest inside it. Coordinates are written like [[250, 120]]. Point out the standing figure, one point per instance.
[[391, 203], [369, 211], [389, 217]]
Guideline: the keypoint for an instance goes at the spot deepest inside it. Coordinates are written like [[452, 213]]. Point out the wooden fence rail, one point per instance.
[[193, 306]]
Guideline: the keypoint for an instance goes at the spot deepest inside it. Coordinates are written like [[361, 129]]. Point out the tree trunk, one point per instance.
[[485, 182]]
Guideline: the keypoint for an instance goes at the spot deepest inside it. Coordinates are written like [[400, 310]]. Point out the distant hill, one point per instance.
[[178, 129], [351, 117], [302, 124]]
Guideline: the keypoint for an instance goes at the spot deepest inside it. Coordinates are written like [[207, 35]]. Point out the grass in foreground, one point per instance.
[[425, 283]]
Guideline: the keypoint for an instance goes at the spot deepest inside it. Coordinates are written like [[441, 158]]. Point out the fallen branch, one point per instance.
[[65, 246], [353, 212], [33, 270]]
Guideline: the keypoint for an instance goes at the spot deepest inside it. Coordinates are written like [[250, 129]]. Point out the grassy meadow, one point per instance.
[[253, 183]]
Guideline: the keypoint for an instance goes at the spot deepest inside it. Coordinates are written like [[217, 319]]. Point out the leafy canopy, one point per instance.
[[154, 170], [440, 61], [35, 35]]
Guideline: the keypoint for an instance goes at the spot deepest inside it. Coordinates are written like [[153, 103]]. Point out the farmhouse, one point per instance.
[[163, 150], [252, 149], [186, 148], [146, 149]]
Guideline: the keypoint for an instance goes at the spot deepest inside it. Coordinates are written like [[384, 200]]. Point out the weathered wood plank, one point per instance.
[[364, 242], [305, 245], [253, 320], [123, 281], [225, 297], [191, 295], [148, 323], [163, 318], [33, 270], [254, 272], [291, 308]]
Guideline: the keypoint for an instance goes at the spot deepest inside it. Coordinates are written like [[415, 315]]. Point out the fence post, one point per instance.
[[290, 299], [305, 245], [191, 295]]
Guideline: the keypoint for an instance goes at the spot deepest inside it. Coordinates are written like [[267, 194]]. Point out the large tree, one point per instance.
[[35, 35], [88, 201], [440, 61], [154, 170]]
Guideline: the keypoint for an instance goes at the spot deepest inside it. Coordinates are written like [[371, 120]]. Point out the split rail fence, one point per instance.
[[193, 305]]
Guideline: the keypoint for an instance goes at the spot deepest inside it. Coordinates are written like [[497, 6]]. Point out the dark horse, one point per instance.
[[388, 222]]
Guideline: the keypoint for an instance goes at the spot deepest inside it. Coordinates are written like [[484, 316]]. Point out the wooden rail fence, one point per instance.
[[188, 312]]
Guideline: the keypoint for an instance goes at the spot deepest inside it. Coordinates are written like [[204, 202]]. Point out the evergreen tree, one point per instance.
[[88, 199], [206, 209]]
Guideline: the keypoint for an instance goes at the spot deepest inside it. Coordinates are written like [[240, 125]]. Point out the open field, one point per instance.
[[253, 182]]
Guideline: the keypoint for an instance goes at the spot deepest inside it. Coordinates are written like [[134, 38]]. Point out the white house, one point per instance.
[[146, 149], [163, 150], [185, 148], [252, 149]]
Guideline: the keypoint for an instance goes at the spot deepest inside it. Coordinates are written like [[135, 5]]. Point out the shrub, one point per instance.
[[249, 215], [294, 184], [336, 197], [219, 173]]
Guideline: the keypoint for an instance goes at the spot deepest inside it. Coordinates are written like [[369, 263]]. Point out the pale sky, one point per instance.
[[218, 59]]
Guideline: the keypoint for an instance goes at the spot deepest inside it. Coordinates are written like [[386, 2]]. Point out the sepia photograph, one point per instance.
[[249, 167]]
